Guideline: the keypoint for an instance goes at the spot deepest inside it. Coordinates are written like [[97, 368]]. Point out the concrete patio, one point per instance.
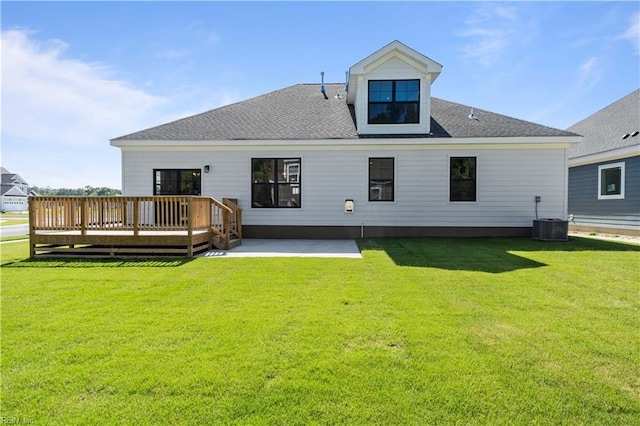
[[289, 248]]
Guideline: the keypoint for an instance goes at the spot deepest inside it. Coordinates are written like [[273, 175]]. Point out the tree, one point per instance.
[[79, 192]]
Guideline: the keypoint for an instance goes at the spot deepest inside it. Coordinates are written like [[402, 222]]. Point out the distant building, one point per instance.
[[15, 193], [604, 170]]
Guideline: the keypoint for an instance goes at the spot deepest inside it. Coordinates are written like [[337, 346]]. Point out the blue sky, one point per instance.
[[76, 74]]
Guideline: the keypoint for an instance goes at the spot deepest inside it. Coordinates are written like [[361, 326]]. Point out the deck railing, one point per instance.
[[235, 218], [137, 214]]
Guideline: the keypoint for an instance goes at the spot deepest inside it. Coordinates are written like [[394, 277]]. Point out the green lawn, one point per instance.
[[420, 331], [7, 219]]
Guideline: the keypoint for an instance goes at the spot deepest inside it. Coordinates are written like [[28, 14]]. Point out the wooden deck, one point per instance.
[[132, 226]]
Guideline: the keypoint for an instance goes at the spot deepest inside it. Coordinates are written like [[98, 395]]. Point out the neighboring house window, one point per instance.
[[177, 182], [462, 181], [611, 181], [394, 101], [276, 182], [381, 179]]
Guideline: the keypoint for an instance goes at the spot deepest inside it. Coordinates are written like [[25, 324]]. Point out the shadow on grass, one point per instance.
[[492, 255], [99, 263]]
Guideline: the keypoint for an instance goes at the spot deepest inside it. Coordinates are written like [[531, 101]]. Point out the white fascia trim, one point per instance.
[[440, 143], [17, 180], [15, 192], [397, 49], [614, 154]]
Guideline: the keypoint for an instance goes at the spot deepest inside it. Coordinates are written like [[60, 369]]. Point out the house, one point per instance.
[[604, 170], [15, 193], [375, 156]]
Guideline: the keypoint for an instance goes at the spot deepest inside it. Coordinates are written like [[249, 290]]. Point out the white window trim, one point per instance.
[[622, 179]]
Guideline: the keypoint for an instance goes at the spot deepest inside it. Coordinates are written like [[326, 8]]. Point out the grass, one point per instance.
[[7, 219], [14, 238], [420, 331]]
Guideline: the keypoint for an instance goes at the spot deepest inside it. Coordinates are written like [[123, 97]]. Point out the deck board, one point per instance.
[[122, 233]]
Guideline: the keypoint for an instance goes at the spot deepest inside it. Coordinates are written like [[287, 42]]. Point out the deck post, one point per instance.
[[136, 216], [124, 218], [32, 227], [226, 228], [190, 225], [83, 215], [209, 215], [190, 216]]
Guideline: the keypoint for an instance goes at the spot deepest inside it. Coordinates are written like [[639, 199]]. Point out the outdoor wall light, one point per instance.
[[207, 168]]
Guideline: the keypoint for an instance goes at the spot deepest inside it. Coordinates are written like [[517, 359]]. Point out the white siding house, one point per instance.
[[15, 191], [411, 164]]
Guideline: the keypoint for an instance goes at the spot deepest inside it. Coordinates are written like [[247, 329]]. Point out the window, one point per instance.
[[177, 182], [611, 181], [462, 182], [275, 182], [394, 101], [381, 179]]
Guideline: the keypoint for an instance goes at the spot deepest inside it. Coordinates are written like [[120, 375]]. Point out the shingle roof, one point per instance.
[[17, 192], [296, 112], [302, 112], [605, 130], [8, 177], [454, 119]]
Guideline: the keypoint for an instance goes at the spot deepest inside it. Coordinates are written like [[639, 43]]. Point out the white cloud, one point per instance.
[[491, 29], [58, 114], [633, 32], [72, 101], [589, 73], [199, 28], [509, 13]]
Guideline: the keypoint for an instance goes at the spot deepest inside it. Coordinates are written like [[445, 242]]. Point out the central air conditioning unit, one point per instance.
[[550, 230]]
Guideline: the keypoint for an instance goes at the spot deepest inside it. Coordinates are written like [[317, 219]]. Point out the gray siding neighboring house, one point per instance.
[[604, 170], [15, 194], [409, 163]]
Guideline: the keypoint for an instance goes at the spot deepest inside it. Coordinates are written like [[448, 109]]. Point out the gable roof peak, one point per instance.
[[395, 49], [404, 52]]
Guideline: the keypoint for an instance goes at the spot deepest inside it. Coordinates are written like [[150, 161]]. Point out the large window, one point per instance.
[[276, 182], [177, 182], [611, 181], [381, 179], [462, 181], [394, 101]]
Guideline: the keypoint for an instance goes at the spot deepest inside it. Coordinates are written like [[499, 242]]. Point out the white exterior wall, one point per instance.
[[508, 179], [393, 69], [15, 199], [14, 204]]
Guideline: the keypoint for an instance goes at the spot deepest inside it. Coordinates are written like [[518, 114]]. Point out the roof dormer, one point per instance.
[[391, 91]]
